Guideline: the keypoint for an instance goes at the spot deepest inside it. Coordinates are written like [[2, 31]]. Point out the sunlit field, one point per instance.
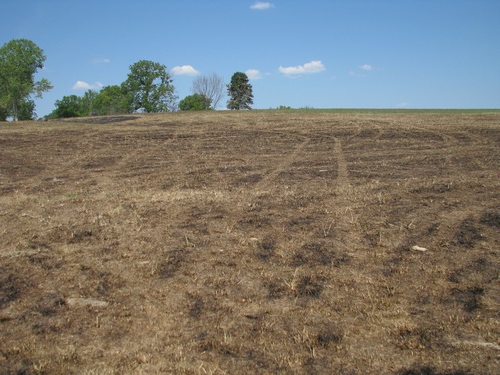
[[288, 242]]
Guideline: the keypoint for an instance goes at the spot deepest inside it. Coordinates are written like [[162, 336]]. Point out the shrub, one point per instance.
[[195, 102]]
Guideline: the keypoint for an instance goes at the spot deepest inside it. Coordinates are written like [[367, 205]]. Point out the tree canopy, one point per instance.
[[150, 87], [195, 102], [69, 106], [20, 59], [112, 100]]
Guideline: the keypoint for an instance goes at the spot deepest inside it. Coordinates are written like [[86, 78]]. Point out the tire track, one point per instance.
[[343, 205], [267, 181], [343, 173], [245, 202], [454, 144], [240, 202]]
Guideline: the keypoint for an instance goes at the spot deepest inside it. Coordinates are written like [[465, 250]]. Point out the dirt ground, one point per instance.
[[251, 243]]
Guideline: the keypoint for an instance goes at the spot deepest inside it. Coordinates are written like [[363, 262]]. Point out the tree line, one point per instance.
[[148, 88]]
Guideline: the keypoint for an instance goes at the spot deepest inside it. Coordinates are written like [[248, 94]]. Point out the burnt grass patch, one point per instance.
[[418, 337], [228, 242], [265, 249], [301, 222], [11, 286], [103, 119], [429, 370], [318, 254], [329, 334], [491, 217], [309, 286], [254, 222], [171, 262], [276, 289], [45, 260], [481, 270], [469, 299], [50, 303], [196, 305], [468, 234]]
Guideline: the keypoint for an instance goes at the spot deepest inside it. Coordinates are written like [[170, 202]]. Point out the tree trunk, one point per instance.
[[15, 111]]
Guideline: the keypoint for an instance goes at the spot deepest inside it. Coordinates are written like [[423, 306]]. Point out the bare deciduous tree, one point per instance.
[[212, 87]]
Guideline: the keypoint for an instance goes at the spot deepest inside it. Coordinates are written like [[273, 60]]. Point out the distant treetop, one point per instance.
[[240, 92]]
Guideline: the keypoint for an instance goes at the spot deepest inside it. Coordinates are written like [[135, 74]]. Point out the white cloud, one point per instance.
[[101, 61], [253, 74], [315, 66], [367, 67], [184, 70], [82, 85], [262, 5]]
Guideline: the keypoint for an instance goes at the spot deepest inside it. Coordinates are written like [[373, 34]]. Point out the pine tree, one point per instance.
[[240, 92]]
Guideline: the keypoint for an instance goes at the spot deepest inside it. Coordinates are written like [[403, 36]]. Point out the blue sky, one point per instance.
[[298, 53]]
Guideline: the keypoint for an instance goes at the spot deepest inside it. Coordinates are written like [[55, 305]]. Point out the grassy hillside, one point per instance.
[[307, 242]]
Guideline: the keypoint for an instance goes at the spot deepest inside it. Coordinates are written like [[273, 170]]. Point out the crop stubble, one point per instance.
[[255, 242]]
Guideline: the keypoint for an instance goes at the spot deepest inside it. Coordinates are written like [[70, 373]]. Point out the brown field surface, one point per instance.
[[260, 242]]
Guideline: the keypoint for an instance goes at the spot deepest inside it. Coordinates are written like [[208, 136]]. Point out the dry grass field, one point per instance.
[[262, 242]]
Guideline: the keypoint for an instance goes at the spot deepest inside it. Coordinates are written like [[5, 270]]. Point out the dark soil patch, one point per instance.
[[330, 333], [468, 234], [11, 287], [265, 249], [275, 289], [103, 120], [173, 260], [491, 217], [470, 299], [309, 286], [425, 370], [196, 305], [49, 303], [318, 253]]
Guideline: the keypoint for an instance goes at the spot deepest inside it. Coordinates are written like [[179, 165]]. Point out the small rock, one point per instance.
[[418, 248]]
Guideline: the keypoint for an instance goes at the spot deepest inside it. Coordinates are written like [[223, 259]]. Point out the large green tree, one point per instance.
[[20, 59], [240, 92], [150, 87]]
